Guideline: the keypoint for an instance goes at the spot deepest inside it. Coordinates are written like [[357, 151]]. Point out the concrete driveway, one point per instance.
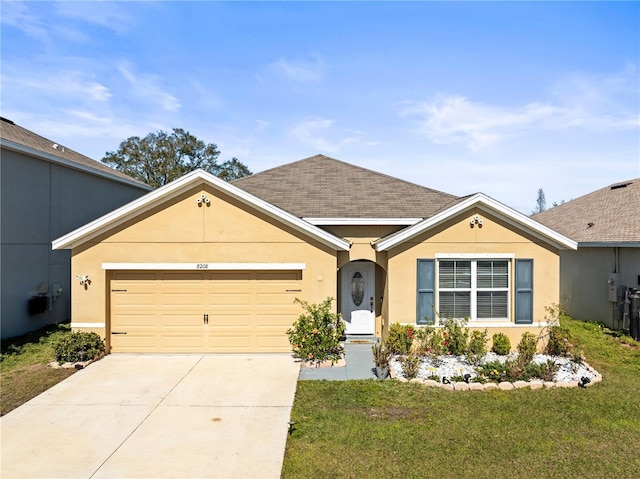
[[154, 416]]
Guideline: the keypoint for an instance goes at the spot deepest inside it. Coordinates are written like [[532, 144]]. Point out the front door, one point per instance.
[[357, 297]]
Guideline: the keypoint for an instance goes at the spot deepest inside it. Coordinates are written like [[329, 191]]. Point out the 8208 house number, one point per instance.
[[202, 265]]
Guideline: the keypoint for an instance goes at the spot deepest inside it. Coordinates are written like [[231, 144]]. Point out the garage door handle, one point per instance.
[[118, 332], [206, 319]]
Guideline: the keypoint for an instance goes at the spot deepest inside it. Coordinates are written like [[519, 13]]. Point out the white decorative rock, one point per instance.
[[505, 386]]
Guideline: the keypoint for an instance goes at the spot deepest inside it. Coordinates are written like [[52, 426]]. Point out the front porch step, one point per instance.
[[360, 339]]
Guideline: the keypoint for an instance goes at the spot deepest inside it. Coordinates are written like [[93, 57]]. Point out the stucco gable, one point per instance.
[[479, 200], [164, 194]]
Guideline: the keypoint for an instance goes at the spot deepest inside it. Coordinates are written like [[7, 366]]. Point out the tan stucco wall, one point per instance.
[[181, 232], [457, 236], [361, 238]]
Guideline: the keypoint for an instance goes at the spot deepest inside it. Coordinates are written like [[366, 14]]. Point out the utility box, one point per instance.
[[634, 314], [614, 279]]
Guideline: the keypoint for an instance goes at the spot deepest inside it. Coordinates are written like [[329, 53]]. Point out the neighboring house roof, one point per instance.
[[16, 138], [175, 188], [503, 212], [606, 217], [320, 187]]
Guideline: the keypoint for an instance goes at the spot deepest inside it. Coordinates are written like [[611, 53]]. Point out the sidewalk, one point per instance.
[[359, 359]]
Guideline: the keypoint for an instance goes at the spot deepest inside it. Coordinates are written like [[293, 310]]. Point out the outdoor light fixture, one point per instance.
[[203, 199], [476, 220]]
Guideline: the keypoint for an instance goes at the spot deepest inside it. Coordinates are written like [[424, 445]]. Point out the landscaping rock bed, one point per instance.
[[569, 373]]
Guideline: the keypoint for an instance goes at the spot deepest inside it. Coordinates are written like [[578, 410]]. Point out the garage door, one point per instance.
[[184, 311]]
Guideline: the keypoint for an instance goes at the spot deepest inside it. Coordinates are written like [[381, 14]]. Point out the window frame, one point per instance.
[[474, 289]]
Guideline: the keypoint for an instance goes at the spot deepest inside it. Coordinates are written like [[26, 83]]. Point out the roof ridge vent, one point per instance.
[[624, 184]]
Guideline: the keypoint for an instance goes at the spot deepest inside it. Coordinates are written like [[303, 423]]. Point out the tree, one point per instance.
[[161, 157], [541, 203]]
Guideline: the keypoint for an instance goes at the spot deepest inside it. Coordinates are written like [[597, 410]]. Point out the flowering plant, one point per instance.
[[315, 336]]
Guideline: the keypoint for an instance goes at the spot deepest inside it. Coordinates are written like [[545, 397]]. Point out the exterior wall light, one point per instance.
[[476, 220]]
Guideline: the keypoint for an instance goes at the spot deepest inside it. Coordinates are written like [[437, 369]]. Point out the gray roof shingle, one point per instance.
[[11, 132], [322, 187], [608, 215]]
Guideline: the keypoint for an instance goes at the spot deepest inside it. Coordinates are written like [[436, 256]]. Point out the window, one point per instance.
[[477, 289]]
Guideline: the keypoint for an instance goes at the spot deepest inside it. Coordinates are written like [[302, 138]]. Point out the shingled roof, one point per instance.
[[322, 187], [11, 132], [606, 216]]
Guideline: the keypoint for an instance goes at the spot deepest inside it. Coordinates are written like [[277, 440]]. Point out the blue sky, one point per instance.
[[503, 97]]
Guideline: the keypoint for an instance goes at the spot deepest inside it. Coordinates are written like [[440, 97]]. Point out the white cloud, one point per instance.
[[320, 134], [18, 15], [579, 102], [299, 72], [146, 86], [105, 14], [56, 84]]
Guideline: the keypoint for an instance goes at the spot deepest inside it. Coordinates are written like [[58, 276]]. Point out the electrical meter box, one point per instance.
[[614, 279]]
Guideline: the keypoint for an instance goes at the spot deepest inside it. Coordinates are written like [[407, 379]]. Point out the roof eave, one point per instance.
[[608, 244], [167, 192], [501, 211], [26, 150], [322, 221]]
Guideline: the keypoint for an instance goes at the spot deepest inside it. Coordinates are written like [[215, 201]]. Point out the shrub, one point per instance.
[[381, 354], [477, 346], [496, 371], [526, 348], [399, 338], [561, 343], [78, 346], [410, 366], [501, 344], [456, 336], [315, 336]]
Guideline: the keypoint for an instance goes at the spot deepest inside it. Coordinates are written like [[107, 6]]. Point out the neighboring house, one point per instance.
[[606, 226], [46, 190], [204, 265]]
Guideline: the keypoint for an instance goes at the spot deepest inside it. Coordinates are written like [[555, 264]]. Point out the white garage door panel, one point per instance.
[[165, 311]]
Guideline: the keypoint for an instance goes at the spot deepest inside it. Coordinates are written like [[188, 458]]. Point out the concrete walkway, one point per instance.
[[156, 416], [359, 359]]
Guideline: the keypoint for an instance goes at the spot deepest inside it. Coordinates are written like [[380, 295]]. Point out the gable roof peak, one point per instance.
[[323, 187]]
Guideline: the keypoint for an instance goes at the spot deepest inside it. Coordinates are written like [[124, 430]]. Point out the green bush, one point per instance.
[[78, 346], [527, 348], [477, 346], [315, 336], [561, 343], [399, 338], [456, 336], [501, 344], [410, 366]]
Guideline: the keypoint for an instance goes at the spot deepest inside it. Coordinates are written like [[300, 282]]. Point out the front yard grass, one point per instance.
[[357, 429], [23, 370]]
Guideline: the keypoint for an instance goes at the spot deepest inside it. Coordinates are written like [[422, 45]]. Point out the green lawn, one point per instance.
[[389, 429], [24, 372]]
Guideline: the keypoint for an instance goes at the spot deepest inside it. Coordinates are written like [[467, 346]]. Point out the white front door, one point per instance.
[[358, 302]]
